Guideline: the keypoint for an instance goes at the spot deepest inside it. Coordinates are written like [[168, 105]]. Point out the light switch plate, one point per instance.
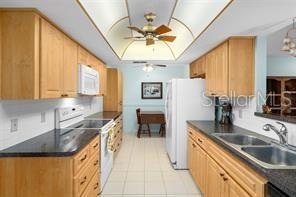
[[14, 125]]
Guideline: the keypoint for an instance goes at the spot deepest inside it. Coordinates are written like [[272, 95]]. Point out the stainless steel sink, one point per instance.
[[272, 155], [240, 139]]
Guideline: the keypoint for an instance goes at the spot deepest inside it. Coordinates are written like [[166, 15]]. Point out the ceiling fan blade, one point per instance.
[[162, 29], [136, 37], [136, 29], [160, 65], [167, 38], [149, 42]]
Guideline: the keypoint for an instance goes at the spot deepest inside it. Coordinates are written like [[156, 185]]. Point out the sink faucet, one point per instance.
[[282, 132]]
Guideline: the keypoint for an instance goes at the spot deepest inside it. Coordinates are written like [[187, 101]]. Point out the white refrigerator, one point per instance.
[[185, 100]]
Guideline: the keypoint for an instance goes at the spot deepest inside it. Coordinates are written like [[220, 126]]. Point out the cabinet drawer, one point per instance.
[[191, 132], [81, 159], [94, 146], [93, 188], [242, 174], [82, 179], [201, 140], [94, 163]]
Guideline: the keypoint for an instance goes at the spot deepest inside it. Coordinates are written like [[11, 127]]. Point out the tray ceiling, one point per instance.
[[187, 19]]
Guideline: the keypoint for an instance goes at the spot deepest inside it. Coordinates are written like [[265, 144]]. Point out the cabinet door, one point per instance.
[[191, 156], [241, 66], [120, 89], [201, 167], [70, 69], [235, 190], [103, 78], [210, 73], [51, 61], [221, 70], [83, 56], [215, 182], [192, 69]]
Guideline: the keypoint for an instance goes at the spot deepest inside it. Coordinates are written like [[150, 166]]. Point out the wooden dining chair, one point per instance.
[[140, 129]]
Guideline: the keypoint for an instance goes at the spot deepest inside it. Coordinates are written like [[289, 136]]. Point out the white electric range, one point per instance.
[[69, 118]]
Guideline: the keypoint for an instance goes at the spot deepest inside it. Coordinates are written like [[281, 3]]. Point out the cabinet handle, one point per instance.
[[84, 158], [225, 178], [222, 174], [200, 140], [190, 132], [96, 186], [84, 180], [96, 163], [89, 66], [194, 145], [96, 145]]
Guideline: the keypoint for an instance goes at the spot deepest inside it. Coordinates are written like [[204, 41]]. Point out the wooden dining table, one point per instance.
[[154, 117]]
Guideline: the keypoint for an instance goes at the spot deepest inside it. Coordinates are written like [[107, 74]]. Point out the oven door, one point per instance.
[[88, 80], [106, 157]]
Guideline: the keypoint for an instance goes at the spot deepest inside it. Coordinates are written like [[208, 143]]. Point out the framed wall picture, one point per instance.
[[151, 90]]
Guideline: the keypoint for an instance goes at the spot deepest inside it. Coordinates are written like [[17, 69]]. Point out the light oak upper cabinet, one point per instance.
[[20, 59], [103, 78], [83, 56], [230, 68], [198, 68], [113, 99], [51, 70], [70, 68]]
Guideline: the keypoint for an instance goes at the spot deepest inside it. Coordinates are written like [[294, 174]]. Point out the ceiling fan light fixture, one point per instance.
[[148, 68]]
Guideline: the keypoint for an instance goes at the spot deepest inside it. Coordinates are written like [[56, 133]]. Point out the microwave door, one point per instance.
[[90, 84]]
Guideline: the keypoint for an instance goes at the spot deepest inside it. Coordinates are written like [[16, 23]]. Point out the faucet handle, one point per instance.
[[283, 128]]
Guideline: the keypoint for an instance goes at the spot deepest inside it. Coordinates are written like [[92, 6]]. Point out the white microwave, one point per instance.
[[88, 80]]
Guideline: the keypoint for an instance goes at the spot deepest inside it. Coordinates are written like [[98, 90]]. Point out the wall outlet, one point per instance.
[[240, 113], [43, 117], [13, 125]]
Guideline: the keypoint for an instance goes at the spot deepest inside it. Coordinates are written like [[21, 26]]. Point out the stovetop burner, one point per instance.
[[90, 124]]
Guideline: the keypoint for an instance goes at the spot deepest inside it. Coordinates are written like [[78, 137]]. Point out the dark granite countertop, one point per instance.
[[104, 115], [284, 179], [52, 144]]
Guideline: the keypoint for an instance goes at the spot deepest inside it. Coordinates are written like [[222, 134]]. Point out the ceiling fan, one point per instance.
[[150, 32], [150, 67]]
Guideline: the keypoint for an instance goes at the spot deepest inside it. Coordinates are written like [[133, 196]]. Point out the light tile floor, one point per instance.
[[142, 168]]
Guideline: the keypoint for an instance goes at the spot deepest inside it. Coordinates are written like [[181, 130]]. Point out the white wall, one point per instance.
[[281, 66], [28, 113]]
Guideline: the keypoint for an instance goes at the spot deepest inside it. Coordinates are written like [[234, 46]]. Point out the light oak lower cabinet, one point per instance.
[[218, 173], [72, 176], [118, 136]]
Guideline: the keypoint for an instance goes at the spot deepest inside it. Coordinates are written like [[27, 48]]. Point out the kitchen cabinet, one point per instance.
[[198, 68], [83, 56], [228, 68], [103, 78], [216, 185], [20, 60], [39, 60], [218, 173], [113, 99], [51, 67], [68, 176], [70, 68], [117, 138]]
